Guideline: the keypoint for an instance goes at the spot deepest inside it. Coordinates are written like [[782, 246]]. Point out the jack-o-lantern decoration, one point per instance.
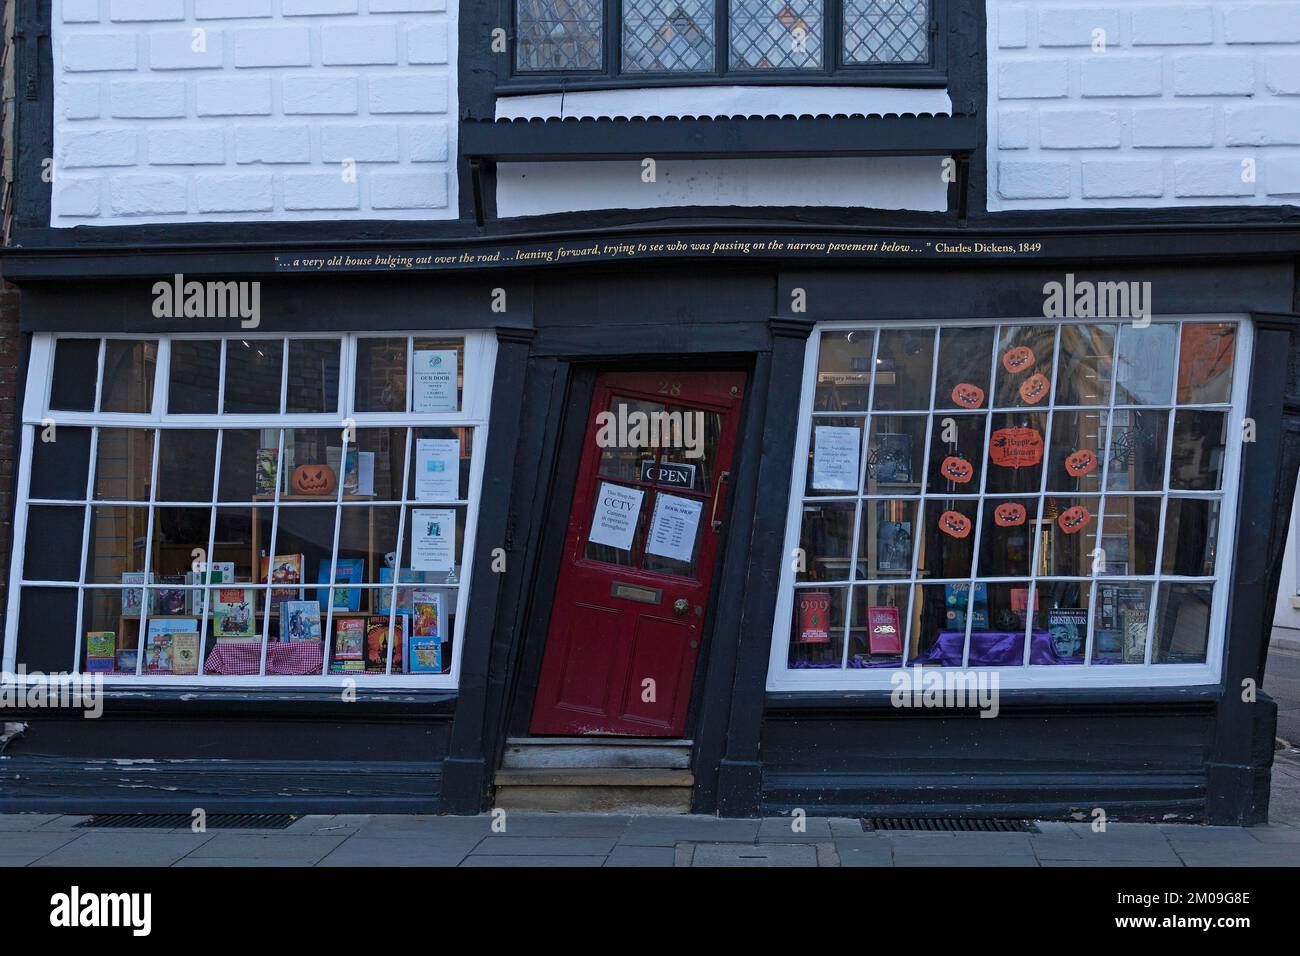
[[314, 480], [1074, 519], [967, 395], [1018, 359], [954, 524], [1009, 514], [1081, 462], [956, 469], [1034, 388]]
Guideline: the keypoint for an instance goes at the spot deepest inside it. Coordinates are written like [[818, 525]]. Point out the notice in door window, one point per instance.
[[614, 522], [434, 380], [433, 539], [437, 469], [835, 458], [673, 526]]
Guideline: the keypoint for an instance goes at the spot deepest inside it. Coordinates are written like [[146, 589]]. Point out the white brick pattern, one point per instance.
[[256, 110], [1192, 103]]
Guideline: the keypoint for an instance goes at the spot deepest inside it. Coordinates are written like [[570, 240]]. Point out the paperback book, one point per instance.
[[232, 615], [185, 652], [101, 651], [350, 571], [300, 621], [377, 640], [159, 656], [133, 597], [286, 569], [349, 645]]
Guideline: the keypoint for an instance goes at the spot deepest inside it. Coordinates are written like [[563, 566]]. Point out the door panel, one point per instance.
[[639, 554]]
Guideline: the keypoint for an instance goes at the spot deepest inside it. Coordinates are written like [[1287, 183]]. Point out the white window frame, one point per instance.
[[1086, 674], [478, 369]]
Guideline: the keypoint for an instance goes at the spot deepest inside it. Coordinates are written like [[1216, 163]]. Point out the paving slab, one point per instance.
[[760, 854], [40, 842], [7, 862], [1274, 835], [520, 823], [641, 856], [25, 821], [244, 864], [65, 822], [500, 845], [667, 831], [327, 823], [782, 830], [125, 848], [957, 844], [970, 859], [547, 861], [400, 825], [367, 851], [1058, 849], [855, 853], [279, 846]]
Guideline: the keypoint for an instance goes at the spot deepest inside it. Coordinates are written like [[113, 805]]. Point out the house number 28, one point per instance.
[[670, 388]]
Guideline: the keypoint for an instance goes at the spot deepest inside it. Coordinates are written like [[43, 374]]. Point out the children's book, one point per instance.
[[174, 598], [427, 617], [159, 643], [232, 614], [404, 594], [287, 569], [423, 655], [127, 658], [101, 644], [185, 652], [265, 476], [133, 597], [377, 636], [300, 621], [349, 639], [351, 571]]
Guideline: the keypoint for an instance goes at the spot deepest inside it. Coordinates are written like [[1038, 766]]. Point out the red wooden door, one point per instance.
[[639, 554]]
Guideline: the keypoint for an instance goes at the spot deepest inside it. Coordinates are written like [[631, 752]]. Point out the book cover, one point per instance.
[[185, 652], [127, 659], [424, 655], [99, 665], [814, 617], [884, 636], [300, 621], [894, 546], [1067, 628], [350, 473], [892, 459], [158, 643], [133, 598], [427, 616], [377, 637], [955, 598], [404, 594], [172, 597], [101, 644], [264, 480], [348, 667], [349, 639], [232, 614], [350, 571], [1134, 628], [287, 569]]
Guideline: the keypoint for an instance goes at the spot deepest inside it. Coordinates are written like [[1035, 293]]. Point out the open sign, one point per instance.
[[668, 473]]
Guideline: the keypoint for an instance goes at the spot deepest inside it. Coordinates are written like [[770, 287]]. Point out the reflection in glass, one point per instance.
[[1074, 462], [313, 376], [187, 460], [118, 538], [1145, 370], [381, 375], [1085, 364], [904, 363], [124, 464], [956, 454], [1137, 450], [1205, 359], [775, 34], [1024, 369], [1191, 530], [1200, 438], [826, 538], [844, 371], [817, 628], [76, 373], [193, 377], [667, 36], [948, 540], [248, 463], [965, 357], [129, 368], [254, 369], [1183, 624], [1068, 536], [1129, 534]]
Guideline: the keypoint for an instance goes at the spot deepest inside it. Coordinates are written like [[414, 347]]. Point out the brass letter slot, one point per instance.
[[634, 592]]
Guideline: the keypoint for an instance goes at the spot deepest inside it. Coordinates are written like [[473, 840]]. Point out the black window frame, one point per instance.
[[833, 72]]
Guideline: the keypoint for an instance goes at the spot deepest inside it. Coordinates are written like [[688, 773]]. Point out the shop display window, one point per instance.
[[1046, 498], [249, 510]]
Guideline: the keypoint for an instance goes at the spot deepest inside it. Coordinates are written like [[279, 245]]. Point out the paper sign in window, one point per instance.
[[437, 469], [433, 539], [614, 521], [673, 526], [835, 458], [434, 380]]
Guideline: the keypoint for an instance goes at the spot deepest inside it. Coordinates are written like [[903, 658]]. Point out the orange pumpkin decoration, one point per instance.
[[1073, 519], [957, 469], [314, 480], [1034, 388], [955, 524], [1080, 462], [1018, 359], [1009, 514], [967, 395]]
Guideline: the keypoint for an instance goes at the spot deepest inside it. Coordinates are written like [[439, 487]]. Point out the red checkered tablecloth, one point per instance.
[[299, 658]]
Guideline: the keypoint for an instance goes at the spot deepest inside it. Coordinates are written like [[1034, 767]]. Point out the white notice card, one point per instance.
[[433, 539], [673, 527], [437, 469], [435, 380], [835, 458], [614, 521]]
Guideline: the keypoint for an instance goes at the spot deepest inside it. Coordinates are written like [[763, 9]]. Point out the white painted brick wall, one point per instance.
[[259, 125], [1189, 103]]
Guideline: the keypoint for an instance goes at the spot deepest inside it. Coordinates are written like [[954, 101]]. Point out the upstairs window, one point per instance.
[[688, 40]]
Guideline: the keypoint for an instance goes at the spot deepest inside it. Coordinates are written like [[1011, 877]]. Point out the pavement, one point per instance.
[[586, 840], [1282, 681]]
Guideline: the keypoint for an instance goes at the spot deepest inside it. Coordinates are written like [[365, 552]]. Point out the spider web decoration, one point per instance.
[[559, 35], [776, 34], [886, 31], [1124, 444], [667, 36]]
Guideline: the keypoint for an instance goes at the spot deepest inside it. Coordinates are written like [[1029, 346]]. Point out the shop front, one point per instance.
[[766, 515]]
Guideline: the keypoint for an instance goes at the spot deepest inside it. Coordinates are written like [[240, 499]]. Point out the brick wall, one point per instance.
[[249, 110], [1162, 107]]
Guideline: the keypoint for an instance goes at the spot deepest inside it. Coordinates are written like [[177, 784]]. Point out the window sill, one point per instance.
[[832, 702], [420, 703], [913, 79]]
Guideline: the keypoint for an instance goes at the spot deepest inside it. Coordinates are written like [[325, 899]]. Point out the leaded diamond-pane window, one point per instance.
[[776, 34], [886, 31], [667, 36], [559, 35]]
